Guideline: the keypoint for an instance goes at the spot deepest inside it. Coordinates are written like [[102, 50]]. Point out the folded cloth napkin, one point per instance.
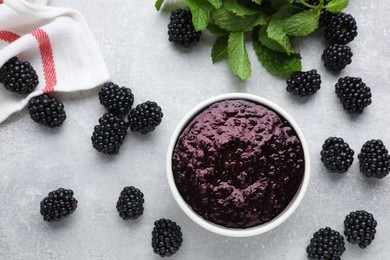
[[58, 44]]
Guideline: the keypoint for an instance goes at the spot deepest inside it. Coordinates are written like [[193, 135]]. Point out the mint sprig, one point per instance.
[[272, 22]]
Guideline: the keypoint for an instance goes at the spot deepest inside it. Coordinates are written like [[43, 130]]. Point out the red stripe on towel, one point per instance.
[[8, 36], [46, 50]]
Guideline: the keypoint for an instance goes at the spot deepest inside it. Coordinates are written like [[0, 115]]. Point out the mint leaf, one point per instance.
[[200, 10], [238, 56], [277, 63], [336, 6], [303, 23], [235, 7], [158, 4], [233, 23], [257, 1], [268, 42], [276, 32], [216, 3], [219, 49], [216, 30], [261, 20]]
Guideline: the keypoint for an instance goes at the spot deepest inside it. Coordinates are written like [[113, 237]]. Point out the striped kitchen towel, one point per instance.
[[56, 41]]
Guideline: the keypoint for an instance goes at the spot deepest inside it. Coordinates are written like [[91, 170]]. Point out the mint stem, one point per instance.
[[319, 6]]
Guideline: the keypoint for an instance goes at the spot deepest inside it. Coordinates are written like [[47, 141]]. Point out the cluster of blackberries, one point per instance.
[[359, 228], [181, 30], [20, 77], [353, 93], [110, 133], [166, 235], [374, 158], [340, 29]]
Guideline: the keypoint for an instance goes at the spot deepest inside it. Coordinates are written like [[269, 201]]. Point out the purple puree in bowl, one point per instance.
[[238, 164]]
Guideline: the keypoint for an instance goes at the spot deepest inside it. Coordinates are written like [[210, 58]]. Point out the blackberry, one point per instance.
[[341, 29], [325, 15], [166, 237], [145, 117], [360, 228], [47, 110], [304, 83], [336, 57], [374, 159], [109, 134], [353, 94], [58, 204], [18, 76], [130, 203], [336, 155], [117, 100], [326, 244], [181, 31]]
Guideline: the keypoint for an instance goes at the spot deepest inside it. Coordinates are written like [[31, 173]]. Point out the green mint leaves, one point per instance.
[[272, 22], [238, 56], [336, 6], [303, 23]]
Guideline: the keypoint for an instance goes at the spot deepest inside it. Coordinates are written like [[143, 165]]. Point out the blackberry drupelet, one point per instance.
[[18, 76], [109, 134], [341, 29], [326, 244], [58, 204], [360, 228], [336, 57], [181, 31], [145, 117], [354, 94], [374, 159], [130, 203], [117, 100], [336, 155], [304, 83], [166, 237], [47, 110]]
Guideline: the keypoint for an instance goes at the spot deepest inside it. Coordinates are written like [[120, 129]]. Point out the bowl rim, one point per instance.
[[218, 229]]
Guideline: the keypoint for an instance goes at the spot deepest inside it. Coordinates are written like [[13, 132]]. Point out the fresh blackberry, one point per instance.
[[336, 57], [145, 117], [18, 76], [117, 100], [130, 203], [109, 134], [353, 94], [166, 237], [47, 110], [360, 228], [325, 15], [326, 244], [341, 29], [304, 83], [58, 204], [181, 31], [374, 159], [336, 155]]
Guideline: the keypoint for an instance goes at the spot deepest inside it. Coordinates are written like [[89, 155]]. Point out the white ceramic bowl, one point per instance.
[[237, 232]]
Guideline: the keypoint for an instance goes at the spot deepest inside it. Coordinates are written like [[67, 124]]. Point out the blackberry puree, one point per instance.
[[238, 164]]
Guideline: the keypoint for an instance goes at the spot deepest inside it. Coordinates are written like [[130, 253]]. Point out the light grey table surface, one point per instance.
[[133, 39]]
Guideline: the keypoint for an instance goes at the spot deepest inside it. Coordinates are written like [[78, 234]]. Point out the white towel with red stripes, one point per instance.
[[58, 44]]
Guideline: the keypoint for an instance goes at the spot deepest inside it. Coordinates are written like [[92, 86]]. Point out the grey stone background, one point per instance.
[[133, 39]]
